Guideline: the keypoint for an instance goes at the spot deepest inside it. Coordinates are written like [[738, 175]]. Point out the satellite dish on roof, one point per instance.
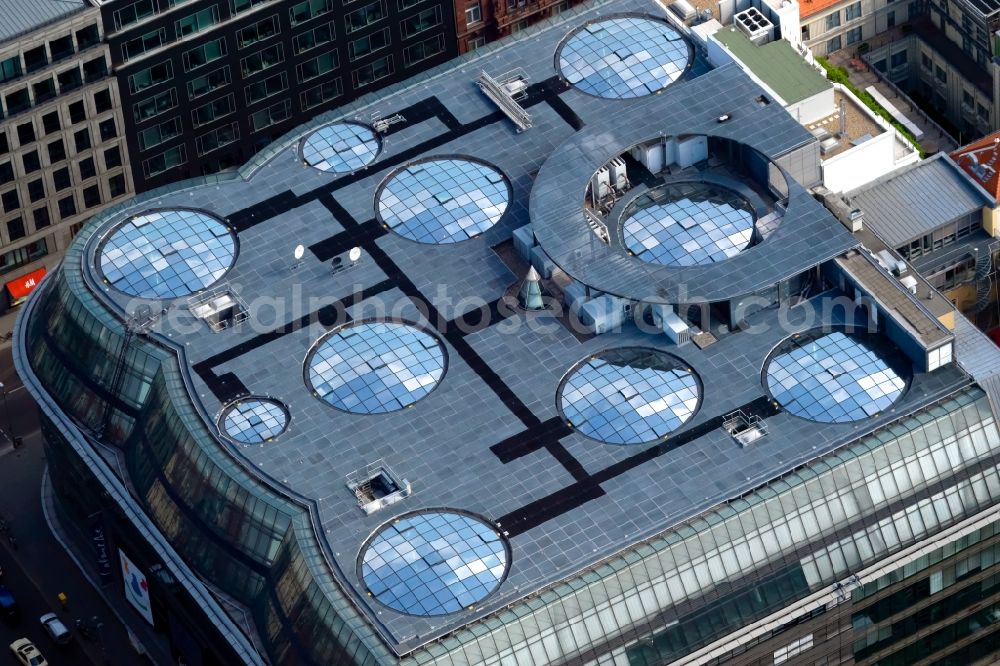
[[299, 251], [354, 254]]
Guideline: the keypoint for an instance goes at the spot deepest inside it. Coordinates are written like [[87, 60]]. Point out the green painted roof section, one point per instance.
[[776, 64]]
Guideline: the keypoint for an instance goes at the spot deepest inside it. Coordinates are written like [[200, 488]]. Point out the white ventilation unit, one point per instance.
[[691, 150], [618, 174], [649, 155], [600, 185], [754, 25], [910, 283]]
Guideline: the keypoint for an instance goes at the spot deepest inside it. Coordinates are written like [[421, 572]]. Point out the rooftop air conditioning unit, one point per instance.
[[910, 283], [618, 174], [754, 25], [684, 11], [600, 185]]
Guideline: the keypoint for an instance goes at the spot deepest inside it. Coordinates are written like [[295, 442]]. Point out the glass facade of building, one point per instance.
[[659, 600]]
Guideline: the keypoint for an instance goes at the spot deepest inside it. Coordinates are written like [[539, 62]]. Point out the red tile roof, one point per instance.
[[809, 8], [981, 160]]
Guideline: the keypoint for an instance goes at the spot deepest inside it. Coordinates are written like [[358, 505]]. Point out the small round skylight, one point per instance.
[[341, 147], [375, 367], [167, 253], [683, 224], [254, 420], [833, 378], [443, 200], [624, 57], [631, 395], [434, 563]]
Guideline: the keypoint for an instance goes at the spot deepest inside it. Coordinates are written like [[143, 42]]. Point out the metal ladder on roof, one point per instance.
[[984, 276]]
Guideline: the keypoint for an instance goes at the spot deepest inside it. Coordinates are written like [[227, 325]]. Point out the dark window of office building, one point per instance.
[[57, 151], [31, 162], [35, 59], [204, 54], [108, 129], [318, 66], [318, 36], [6, 172], [10, 69], [264, 88], [11, 201], [4, 144], [423, 50], [102, 100], [42, 218], [206, 83], [71, 79], [67, 207], [77, 112], [372, 72], [364, 16], [303, 11], [44, 90], [36, 190], [151, 76], [61, 179], [95, 70], [368, 44], [112, 158], [322, 93], [206, 113], [421, 21], [116, 185], [155, 105], [257, 32], [160, 133], [87, 37], [15, 228], [87, 169], [50, 122], [238, 6], [82, 140], [25, 133], [137, 46], [18, 101], [133, 13], [61, 47], [92, 196], [263, 59]]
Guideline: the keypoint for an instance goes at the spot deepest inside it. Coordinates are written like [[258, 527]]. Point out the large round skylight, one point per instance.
[[254, 420], [341, 147], [682, 224], [375, 367], [832, 378], [624, 57], [167, 253], [443, 200], [629, 396], [434, 563]]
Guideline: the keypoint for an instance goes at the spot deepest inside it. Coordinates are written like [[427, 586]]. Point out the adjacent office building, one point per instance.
[[480, 21], [207, 83], [574, 369], [62, 148]]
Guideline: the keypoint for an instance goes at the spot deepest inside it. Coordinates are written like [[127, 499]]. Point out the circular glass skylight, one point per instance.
[[632, 395], [434, 563], [833, 378], [624, 57], [375, 367], [254, 420], [341, 147], [167, 253], [443, 200], [683, 224]]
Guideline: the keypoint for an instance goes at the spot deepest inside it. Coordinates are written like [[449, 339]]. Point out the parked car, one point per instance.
[[8, 605], [55, 628], [26, 653]]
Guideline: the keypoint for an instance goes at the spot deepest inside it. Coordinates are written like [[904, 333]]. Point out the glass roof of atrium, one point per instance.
[[167, 253], [631, 395], [833, 378], [254, 420], [434, 563], [341, 147], [443, 200], [624, 57], [375, 367], [684, 224]]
